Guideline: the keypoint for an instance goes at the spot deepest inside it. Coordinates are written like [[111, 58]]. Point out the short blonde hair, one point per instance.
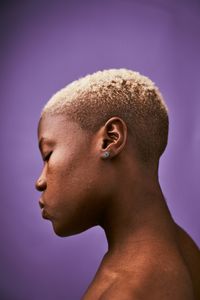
[[93, 99]]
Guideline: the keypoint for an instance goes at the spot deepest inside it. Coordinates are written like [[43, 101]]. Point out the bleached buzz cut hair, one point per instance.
[[93, 99]]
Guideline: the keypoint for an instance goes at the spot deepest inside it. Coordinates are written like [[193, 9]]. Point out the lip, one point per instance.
[[43, 211], [44, 214], [41, 204]]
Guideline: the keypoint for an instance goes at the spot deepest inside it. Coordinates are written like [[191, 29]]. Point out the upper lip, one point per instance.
[[44, 213], [41, 204]]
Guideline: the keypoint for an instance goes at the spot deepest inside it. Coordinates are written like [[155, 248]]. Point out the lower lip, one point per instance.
[[44, 214]]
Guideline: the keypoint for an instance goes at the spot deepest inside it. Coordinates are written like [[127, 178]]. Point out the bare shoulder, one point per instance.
[[191, 257], [188, 248], [159, 272], [153, 281], [157, 284]]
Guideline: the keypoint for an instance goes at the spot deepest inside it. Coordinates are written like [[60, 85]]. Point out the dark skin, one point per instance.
[[149, 256]]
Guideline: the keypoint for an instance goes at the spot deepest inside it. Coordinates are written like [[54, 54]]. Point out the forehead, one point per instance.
[[56, 127]]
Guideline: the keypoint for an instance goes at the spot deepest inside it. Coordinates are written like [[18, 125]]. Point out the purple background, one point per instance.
[[47, 44]]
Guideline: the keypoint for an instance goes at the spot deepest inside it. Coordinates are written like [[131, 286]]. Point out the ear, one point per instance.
[[113, 137]]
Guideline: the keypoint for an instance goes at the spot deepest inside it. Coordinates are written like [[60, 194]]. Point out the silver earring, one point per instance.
[[106, 154]]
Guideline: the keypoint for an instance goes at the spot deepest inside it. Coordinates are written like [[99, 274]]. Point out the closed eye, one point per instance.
[[46, 158]]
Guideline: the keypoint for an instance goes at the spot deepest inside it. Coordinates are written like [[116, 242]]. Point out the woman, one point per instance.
[[101, 138]]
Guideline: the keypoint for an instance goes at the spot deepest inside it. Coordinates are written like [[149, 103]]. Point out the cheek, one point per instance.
[[82, 193], [69, 175], [74, 195], [60, 165]]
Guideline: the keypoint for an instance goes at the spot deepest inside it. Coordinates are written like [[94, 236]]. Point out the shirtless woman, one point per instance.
[[101, 138]]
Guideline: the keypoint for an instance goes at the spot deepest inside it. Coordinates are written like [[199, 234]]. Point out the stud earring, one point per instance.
[[106, 154]]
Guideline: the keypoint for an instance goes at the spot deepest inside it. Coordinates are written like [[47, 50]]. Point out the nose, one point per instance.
[[41, 184]]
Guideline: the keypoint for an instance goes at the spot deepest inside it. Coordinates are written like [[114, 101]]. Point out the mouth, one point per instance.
[[41, 204], [44, 214], [43, 211]]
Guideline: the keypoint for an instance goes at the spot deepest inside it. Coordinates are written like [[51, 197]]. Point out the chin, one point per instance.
[[62, 231], [59, 230], [65, 231]]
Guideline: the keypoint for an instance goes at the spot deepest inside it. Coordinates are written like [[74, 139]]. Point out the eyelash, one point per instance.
[[46, 158]]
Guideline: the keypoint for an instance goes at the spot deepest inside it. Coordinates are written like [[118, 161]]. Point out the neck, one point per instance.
[[136, 215]]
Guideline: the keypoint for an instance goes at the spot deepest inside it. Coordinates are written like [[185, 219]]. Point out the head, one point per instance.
[[116, 111]]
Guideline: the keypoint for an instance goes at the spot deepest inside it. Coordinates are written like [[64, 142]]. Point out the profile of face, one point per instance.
[[72, 182]]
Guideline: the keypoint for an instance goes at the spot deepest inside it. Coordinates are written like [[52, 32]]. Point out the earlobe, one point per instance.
[[106, 155], [114, 137]]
